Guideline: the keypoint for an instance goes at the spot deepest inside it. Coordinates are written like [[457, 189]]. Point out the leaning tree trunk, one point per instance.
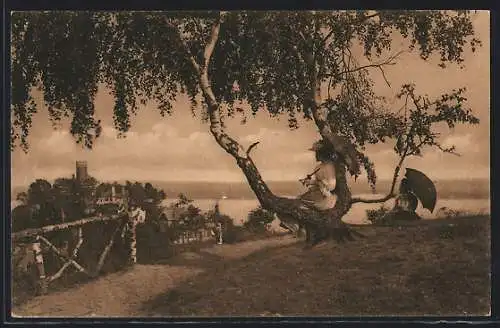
[[286, 208], [343, 192], [344, 148]]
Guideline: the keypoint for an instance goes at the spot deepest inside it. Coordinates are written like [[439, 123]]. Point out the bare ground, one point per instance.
[[439, 267], [122, 294]]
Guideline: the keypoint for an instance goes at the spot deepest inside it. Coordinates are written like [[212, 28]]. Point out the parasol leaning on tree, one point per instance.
[[414, 187], [422, 187]]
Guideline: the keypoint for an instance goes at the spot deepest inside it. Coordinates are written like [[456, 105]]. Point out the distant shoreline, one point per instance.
[[187, 182], [447, 189]]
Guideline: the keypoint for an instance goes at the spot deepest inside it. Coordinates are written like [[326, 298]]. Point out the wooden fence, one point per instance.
[[191, 236], [188, 237], [126, 228], [37, 239]]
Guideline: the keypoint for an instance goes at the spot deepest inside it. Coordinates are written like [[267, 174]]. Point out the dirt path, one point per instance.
[[123, 293]]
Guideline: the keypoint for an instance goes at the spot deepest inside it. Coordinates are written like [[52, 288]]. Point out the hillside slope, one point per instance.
[[439, 267]]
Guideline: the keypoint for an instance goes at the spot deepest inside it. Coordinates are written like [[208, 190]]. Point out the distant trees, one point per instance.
[[68, 199], [184, 216], [41, 200], [45, 204], [23, 217], [147, 197]]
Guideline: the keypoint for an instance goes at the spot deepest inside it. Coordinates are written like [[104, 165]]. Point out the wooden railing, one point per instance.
[[36, 238], [24, 234], [188, 237]]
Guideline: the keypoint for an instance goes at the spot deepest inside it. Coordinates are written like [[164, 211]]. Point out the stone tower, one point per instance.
[[81, 171]]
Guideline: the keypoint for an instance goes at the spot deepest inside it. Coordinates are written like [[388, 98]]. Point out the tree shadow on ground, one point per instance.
[[207, 254], [200, 259], [416, 270]]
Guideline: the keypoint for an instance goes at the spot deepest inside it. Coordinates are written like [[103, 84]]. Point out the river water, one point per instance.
[[239, 208]]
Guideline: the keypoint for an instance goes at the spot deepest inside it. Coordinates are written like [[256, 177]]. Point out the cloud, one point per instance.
[[164, 129], [266, 134], [58, 142], [161, 144], [165, 151], [463, 143], [112, 173], [161, 150], [24, 176]]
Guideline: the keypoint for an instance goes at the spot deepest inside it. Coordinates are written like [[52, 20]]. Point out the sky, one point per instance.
[[180, 147]]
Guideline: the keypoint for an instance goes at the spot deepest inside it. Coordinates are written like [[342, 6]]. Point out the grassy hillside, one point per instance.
[[439, 267]]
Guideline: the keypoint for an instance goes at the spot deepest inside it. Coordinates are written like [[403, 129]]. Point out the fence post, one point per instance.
[[42, 279], [132, 224]]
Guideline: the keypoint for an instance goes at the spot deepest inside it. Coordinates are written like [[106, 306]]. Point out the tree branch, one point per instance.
[[207, 54], [189, 54], [28, 233], [251, 147], [383, 75], [213, 108], [294, 45], [391, 192], [214, 36], [394, 180], [450, 150], [341, 145], [388, 61], [62, 256], [365, 18]]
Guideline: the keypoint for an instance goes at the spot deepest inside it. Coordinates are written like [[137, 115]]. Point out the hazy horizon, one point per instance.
[[465, 188], [122, 181]]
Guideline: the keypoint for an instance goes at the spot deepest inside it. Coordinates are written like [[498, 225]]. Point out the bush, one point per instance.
[[376, 216], [449, 213], [258, 219], [235, 234], [226, 220], [383, 216], [107, 209], [231, 234], [152, 244]]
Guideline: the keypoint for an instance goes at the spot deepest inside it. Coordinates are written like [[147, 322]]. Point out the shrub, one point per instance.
[[152, 244], [383, 216], [449, 213], [226, 220], [376, 216], [258, 219], [234, 234], [107, 209], [231, 234]]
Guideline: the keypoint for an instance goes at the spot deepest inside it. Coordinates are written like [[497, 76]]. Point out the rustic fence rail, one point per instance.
[[126, 229], [30, 233], [36, 238]]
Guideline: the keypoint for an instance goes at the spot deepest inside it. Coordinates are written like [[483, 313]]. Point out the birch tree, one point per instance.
[[294, 64]]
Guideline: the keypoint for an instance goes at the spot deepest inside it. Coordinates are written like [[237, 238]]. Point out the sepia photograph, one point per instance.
[[204, 164]]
